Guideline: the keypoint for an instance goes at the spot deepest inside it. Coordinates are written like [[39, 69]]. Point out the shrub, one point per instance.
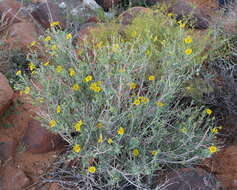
[[120, 104]]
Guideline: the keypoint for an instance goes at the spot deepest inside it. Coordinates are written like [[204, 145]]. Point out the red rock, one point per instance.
[[191, 178], [46, 12], [9, 10], [20, 35], [128, 16], [7, 149], [184, 8], [38, 139], [6, 93], [13, 178], [107, 4]]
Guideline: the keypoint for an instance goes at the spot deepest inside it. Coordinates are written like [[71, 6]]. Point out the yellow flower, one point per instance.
[[79, 52], [46, 63], [110, 141], [122, 70], [152, 77], [208, 111], [212, 149], [143, 99], [115, 47], [182, 25], [33, 43], [75, 87], [92, 169], [137, 102], [188, 40], [134, 34], [160, 104], [155, 39], [95, 86], [88, 78], [100, 140], [41, 100], [215, 130], [148, 52], [154, 152], [132, 85], [99, 45], [59, 68], [55, 23], [170, 14], [68, 36], [188, 51], [53, 47], [77, 148], [78, 125], [99, 125], [27, 90], [18, 73], [58, 109], [52, 123], [21, 93], [184, 130], [31, 66], [71, 72], [47, 38], [120, 131], [135, 152]]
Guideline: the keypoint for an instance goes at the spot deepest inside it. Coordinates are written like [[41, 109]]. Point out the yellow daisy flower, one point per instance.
[[151, 77], [100, 140], [58, 109], [52, 123], [188, 40], [188, 51], [110, 141], [92, 169], [76, 148], [88, 78], [71, 72], [136, 152], [212, 149], [27, 90], [208, 111], [18, 73], [132, 85], [68, 36], [59, 68], [120, 131]]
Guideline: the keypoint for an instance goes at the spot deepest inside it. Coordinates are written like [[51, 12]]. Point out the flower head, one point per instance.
[[151, 77], [132, 85], [137, 102], [59, 68], [58, 109], [76, 148], [27, 90], [18, 73], [100, 140], [78, 125], [120, 131], [95, 86], [52, 123], [46, 63], [33, 43], [154, 152], [160, 104], [110, 141], [212, 149], [71, 72], [99, 125], [215, 130], [75, 87], [136, 152], [88, 78], [134, 34], [208, 111], [55, 23], [68, 36], [188, 40], [47, 38], [32, 66], [188, 51], [92, 169]]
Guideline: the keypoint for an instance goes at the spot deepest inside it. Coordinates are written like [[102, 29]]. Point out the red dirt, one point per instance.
[[12, 128]]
